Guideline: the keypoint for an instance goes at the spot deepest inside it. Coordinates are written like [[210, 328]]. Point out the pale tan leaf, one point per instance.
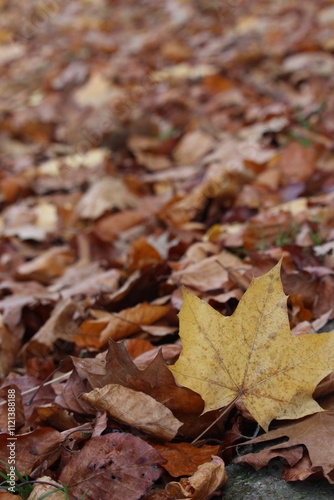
[[207, 479], [136, 409], [103, 195], [42, 489]]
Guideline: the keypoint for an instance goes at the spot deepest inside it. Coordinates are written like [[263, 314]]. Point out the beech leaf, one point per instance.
[[251, 355], [117, 466], [136, 409]]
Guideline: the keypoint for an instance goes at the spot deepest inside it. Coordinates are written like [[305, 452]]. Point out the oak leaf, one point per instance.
[[183, 459], [118, 368], [315, 432], [251, 355]]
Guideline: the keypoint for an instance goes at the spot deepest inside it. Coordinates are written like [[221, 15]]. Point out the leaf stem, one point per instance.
[[32, 389], [226, 409]]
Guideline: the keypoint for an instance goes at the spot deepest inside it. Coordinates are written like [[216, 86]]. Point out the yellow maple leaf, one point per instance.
[[252, 355]]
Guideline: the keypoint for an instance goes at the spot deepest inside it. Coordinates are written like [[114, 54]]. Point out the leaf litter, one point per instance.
[[146, 148]]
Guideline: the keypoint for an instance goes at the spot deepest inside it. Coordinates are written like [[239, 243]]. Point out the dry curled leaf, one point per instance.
[[56, 492], [155, 380], [207, 479], [136, 409], [315, 432]]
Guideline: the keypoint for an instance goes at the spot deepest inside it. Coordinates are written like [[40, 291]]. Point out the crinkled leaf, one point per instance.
[[117, 466], [315, 432], [136, 409]]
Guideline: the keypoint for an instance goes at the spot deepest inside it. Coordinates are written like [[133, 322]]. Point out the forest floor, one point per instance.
[[148, 148]]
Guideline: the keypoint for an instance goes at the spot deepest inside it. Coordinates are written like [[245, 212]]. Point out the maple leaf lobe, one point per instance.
[[252, 355]]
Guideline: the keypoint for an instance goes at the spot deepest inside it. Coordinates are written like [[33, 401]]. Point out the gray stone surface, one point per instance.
[[247, 484]]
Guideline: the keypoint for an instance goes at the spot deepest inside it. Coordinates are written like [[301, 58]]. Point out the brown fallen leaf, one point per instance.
[[116, 326], [70, 396], [207, 479], [152, 161], [60, 325], [156, 380], [192, 147], [47, 266], [113, 466], [136, 409], [109, 227], [55, 417], [9, 345], [8, 393], [251, 356], [208, 274], [170, 353], [297, 162], [86, 279], [183, 210], [97, 83], [315, 432], [137, 347], [103, 195], [183, 459], [23, 295], [143, 254], [31, 449], [13, 187], [5, 495], [24, 387]]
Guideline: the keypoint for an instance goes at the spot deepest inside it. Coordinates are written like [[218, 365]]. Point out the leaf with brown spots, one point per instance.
[[113, 466], [251, 356]]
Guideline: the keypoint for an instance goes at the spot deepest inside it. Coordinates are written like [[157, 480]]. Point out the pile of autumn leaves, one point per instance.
[[247, 367]]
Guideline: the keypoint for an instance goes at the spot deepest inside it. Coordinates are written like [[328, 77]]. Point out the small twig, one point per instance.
[[45, 382], [47, 483], [32, 389]]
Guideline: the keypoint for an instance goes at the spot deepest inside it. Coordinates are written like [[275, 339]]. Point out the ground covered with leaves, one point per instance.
[[159, 157]]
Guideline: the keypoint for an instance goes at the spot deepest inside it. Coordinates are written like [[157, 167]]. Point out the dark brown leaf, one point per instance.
[[113, 466]]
